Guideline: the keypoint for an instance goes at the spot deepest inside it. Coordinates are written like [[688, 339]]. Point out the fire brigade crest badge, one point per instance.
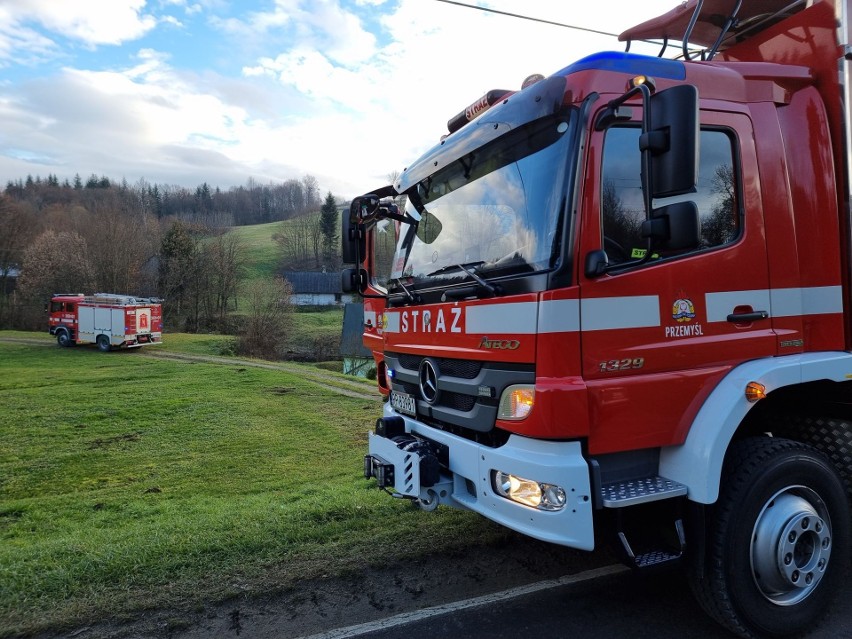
[[683, 310]]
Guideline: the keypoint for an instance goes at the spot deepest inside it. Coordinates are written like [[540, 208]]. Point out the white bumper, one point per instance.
[[469, 481]]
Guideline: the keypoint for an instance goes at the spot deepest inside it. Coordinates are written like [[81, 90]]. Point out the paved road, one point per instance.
[[617, 604]]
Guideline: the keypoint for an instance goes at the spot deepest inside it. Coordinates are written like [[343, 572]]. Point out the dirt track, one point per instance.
[[333, 383], [324, 605]]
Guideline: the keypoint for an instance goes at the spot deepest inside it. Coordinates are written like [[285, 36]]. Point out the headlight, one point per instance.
[[539, 495], [516, 402]]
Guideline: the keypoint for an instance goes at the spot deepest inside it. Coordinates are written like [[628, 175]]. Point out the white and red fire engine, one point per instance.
[[619, 303], [108, 320]]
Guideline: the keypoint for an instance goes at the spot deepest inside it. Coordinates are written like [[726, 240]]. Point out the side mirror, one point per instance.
[[676, 227], [672, 139], [352, 232], [353, 280], [596, 263]]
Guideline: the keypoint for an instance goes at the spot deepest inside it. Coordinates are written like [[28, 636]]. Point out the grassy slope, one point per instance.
[[262, 257], [128, 482], [262, 251]]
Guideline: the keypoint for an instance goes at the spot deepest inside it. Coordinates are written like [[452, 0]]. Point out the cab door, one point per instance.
[[658, 332]]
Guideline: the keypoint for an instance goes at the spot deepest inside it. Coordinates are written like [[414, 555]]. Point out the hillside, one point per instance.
[[262, 252], [317, 330]]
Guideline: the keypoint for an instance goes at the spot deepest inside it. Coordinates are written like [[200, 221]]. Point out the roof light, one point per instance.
[[476, 109], [531, 80], [639, 80]]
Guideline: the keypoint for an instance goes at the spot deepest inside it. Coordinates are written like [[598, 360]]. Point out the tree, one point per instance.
[[300, 240], [17, 228], [178, 266], [225, 259], [121, 239], [328, 226], [269, 319], [56, 262]]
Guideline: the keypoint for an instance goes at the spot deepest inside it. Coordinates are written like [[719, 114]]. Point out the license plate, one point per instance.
[[403, 403]]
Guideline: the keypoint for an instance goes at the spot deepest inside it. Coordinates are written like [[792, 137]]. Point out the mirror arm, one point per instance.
[[646, 162]]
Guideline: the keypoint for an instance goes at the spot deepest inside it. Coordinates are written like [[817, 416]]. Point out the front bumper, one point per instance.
[[465, 479]]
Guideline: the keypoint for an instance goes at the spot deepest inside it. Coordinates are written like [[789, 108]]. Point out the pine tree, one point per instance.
[[328, 226]]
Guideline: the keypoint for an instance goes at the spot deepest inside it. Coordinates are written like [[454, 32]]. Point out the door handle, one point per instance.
[[743, 318]]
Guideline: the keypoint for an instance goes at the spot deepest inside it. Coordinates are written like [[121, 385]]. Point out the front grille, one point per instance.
[[464, 368], [468, 390]]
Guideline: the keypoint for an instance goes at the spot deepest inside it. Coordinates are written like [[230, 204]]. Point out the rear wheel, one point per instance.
[[103, 344], [778, 544]]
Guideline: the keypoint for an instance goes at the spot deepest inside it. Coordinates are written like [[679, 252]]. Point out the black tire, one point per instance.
[[63, 338], [778, 540], [830, 435], [103, 344]]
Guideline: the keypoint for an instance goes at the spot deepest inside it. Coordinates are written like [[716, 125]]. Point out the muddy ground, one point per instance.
[[321, 605]]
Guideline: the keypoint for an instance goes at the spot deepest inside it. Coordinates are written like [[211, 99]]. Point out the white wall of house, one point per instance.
[[320, 299]]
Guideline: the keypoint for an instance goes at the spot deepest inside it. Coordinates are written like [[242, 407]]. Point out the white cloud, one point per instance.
[[93, 22], [330, 94], [21, 44]]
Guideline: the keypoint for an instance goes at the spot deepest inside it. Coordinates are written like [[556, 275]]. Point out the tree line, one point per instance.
[[252, 203], [154, 240]]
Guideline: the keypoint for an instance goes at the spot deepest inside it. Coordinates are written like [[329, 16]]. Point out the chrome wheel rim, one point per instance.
[[791, 545]]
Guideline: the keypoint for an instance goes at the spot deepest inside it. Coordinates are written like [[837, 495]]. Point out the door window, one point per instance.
[[622, 206]]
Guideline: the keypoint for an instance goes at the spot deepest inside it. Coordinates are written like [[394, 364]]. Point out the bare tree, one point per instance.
[[17, 227], [301, 242], [56, 262], [225, 259], [269, 317]]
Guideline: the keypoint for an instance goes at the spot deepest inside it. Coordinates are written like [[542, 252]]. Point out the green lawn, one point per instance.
[[128, 482]]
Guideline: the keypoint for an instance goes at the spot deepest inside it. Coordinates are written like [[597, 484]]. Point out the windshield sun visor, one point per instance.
[[536, 101]]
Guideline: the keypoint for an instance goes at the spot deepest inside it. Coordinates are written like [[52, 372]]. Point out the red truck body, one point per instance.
[[620, 303], [108, 320]]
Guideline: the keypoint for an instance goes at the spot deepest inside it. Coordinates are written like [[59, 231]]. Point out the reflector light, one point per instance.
[[755, 391]]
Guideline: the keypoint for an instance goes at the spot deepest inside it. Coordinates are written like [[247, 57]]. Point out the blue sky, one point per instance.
[[186, 91]]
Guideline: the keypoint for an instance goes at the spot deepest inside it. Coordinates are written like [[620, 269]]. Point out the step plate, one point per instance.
[[640, 491]]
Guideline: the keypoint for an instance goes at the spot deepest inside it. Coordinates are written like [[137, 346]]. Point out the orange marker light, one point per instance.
[[640, 80], [755, 391]]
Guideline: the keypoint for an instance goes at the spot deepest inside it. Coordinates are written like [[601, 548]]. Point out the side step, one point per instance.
[[653, 558], [640, 491]]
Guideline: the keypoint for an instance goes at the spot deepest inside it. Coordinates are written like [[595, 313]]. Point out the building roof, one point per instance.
[[314, 282], [352, 339]]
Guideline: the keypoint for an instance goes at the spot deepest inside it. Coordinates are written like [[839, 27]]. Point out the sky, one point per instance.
[[222, 91]]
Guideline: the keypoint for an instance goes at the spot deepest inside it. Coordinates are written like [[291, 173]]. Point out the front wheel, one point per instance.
[[63, 338], [778, 544]]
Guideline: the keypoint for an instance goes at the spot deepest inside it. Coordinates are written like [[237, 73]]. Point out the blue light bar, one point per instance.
[[629, 63]]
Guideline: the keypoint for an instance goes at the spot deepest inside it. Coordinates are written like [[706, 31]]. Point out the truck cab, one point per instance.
[[618, 302]]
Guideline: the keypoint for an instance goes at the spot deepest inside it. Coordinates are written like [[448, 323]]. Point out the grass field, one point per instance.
[[262, 252], [129, 482]]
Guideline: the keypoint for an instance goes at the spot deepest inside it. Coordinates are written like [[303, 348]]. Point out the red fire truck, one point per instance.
[[619, 305], [108, 320]]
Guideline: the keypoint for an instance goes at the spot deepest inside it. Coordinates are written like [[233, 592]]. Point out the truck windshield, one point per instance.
[[493, 213]]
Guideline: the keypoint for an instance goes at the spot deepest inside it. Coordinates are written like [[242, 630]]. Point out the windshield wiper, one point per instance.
[[468, 267], [409, 296], [458, 267]]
